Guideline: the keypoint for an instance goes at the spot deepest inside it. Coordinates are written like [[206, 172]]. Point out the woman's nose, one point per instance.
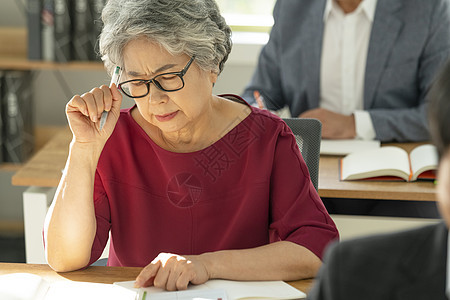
[[156, 96]]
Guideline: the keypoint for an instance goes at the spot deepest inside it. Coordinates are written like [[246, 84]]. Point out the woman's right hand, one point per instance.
[[84, 113]]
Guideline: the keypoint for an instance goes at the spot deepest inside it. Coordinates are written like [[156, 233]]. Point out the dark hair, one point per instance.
[[439, 110]]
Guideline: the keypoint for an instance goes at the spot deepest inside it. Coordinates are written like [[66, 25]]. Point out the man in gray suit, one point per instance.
[[406, 265], [363, 68]]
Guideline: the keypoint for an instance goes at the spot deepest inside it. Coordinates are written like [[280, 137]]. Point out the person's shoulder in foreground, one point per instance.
[[407, 265]]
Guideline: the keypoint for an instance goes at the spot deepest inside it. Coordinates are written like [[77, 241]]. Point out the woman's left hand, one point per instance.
[[173, 272]]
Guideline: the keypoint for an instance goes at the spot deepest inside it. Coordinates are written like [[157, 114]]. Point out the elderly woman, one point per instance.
[[189, 185]]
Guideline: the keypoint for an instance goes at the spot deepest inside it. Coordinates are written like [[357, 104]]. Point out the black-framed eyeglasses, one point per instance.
[[167, 82]]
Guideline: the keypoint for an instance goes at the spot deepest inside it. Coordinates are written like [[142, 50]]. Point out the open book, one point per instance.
[[222, 289], [391, 163], [26, 286]]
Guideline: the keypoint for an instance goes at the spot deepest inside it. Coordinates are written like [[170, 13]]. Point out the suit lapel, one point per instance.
[[424, 268], [385, 29], [312, 50]]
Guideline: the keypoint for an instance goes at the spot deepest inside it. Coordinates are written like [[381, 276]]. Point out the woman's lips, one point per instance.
[[166, 117]]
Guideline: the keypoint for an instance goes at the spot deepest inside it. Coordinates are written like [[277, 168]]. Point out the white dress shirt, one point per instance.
[[343, 63]]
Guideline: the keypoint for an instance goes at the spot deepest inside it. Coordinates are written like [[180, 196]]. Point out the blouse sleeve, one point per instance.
[[103, 219], [297, 214]]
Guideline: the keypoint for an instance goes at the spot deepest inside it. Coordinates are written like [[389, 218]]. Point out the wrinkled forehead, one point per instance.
[[145, 57]]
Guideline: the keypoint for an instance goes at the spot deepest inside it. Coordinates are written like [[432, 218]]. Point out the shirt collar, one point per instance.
[[367, 6], [327, 11]]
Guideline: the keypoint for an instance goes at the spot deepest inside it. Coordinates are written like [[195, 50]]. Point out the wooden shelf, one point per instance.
[[9, 62], [13, 54], [10, 167], [11, 227]]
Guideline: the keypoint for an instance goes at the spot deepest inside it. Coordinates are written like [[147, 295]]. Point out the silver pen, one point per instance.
[[115, 79]]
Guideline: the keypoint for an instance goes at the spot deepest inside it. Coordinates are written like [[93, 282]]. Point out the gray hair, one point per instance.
[[191, 27]]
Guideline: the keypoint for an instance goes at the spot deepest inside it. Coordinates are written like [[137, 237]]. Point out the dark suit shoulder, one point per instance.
[[296, 11], [409, 263], [391, 243], [380, 256]]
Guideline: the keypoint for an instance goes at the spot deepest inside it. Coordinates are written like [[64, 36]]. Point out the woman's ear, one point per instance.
[[213, 76]]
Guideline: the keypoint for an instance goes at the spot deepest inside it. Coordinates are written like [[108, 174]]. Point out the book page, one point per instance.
[[257, 289], [423, 158], [22, 286], [200, 291], [234, 290], [75, 290], [344, 147], [204, 294], [385, 161]]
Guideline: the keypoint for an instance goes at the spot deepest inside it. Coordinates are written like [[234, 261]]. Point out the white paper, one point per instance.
[[22, 286], [423, 158], [26, 286], [257, 289], [344, 147], [197, 292], [386, 161], [233, 289], [73, 290]]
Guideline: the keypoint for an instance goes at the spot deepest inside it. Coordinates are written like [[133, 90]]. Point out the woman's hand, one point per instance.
[[84, 112], [173, 272]]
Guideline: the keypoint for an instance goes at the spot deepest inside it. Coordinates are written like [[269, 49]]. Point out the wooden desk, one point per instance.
[[44, 169], [101, 274], [331, 187]]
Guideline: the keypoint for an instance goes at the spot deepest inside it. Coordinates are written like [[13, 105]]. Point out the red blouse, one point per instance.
[[248, 189]]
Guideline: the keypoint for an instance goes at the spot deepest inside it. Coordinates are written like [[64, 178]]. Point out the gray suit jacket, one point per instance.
[[410, 41], [404, 266]]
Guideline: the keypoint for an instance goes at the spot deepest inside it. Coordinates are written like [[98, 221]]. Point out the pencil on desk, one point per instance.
[[115, 79]]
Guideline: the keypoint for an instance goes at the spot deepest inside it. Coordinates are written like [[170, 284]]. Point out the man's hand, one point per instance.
[[334, 125]]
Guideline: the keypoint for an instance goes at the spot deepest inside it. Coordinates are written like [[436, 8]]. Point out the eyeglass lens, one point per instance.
[[165, 82]]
